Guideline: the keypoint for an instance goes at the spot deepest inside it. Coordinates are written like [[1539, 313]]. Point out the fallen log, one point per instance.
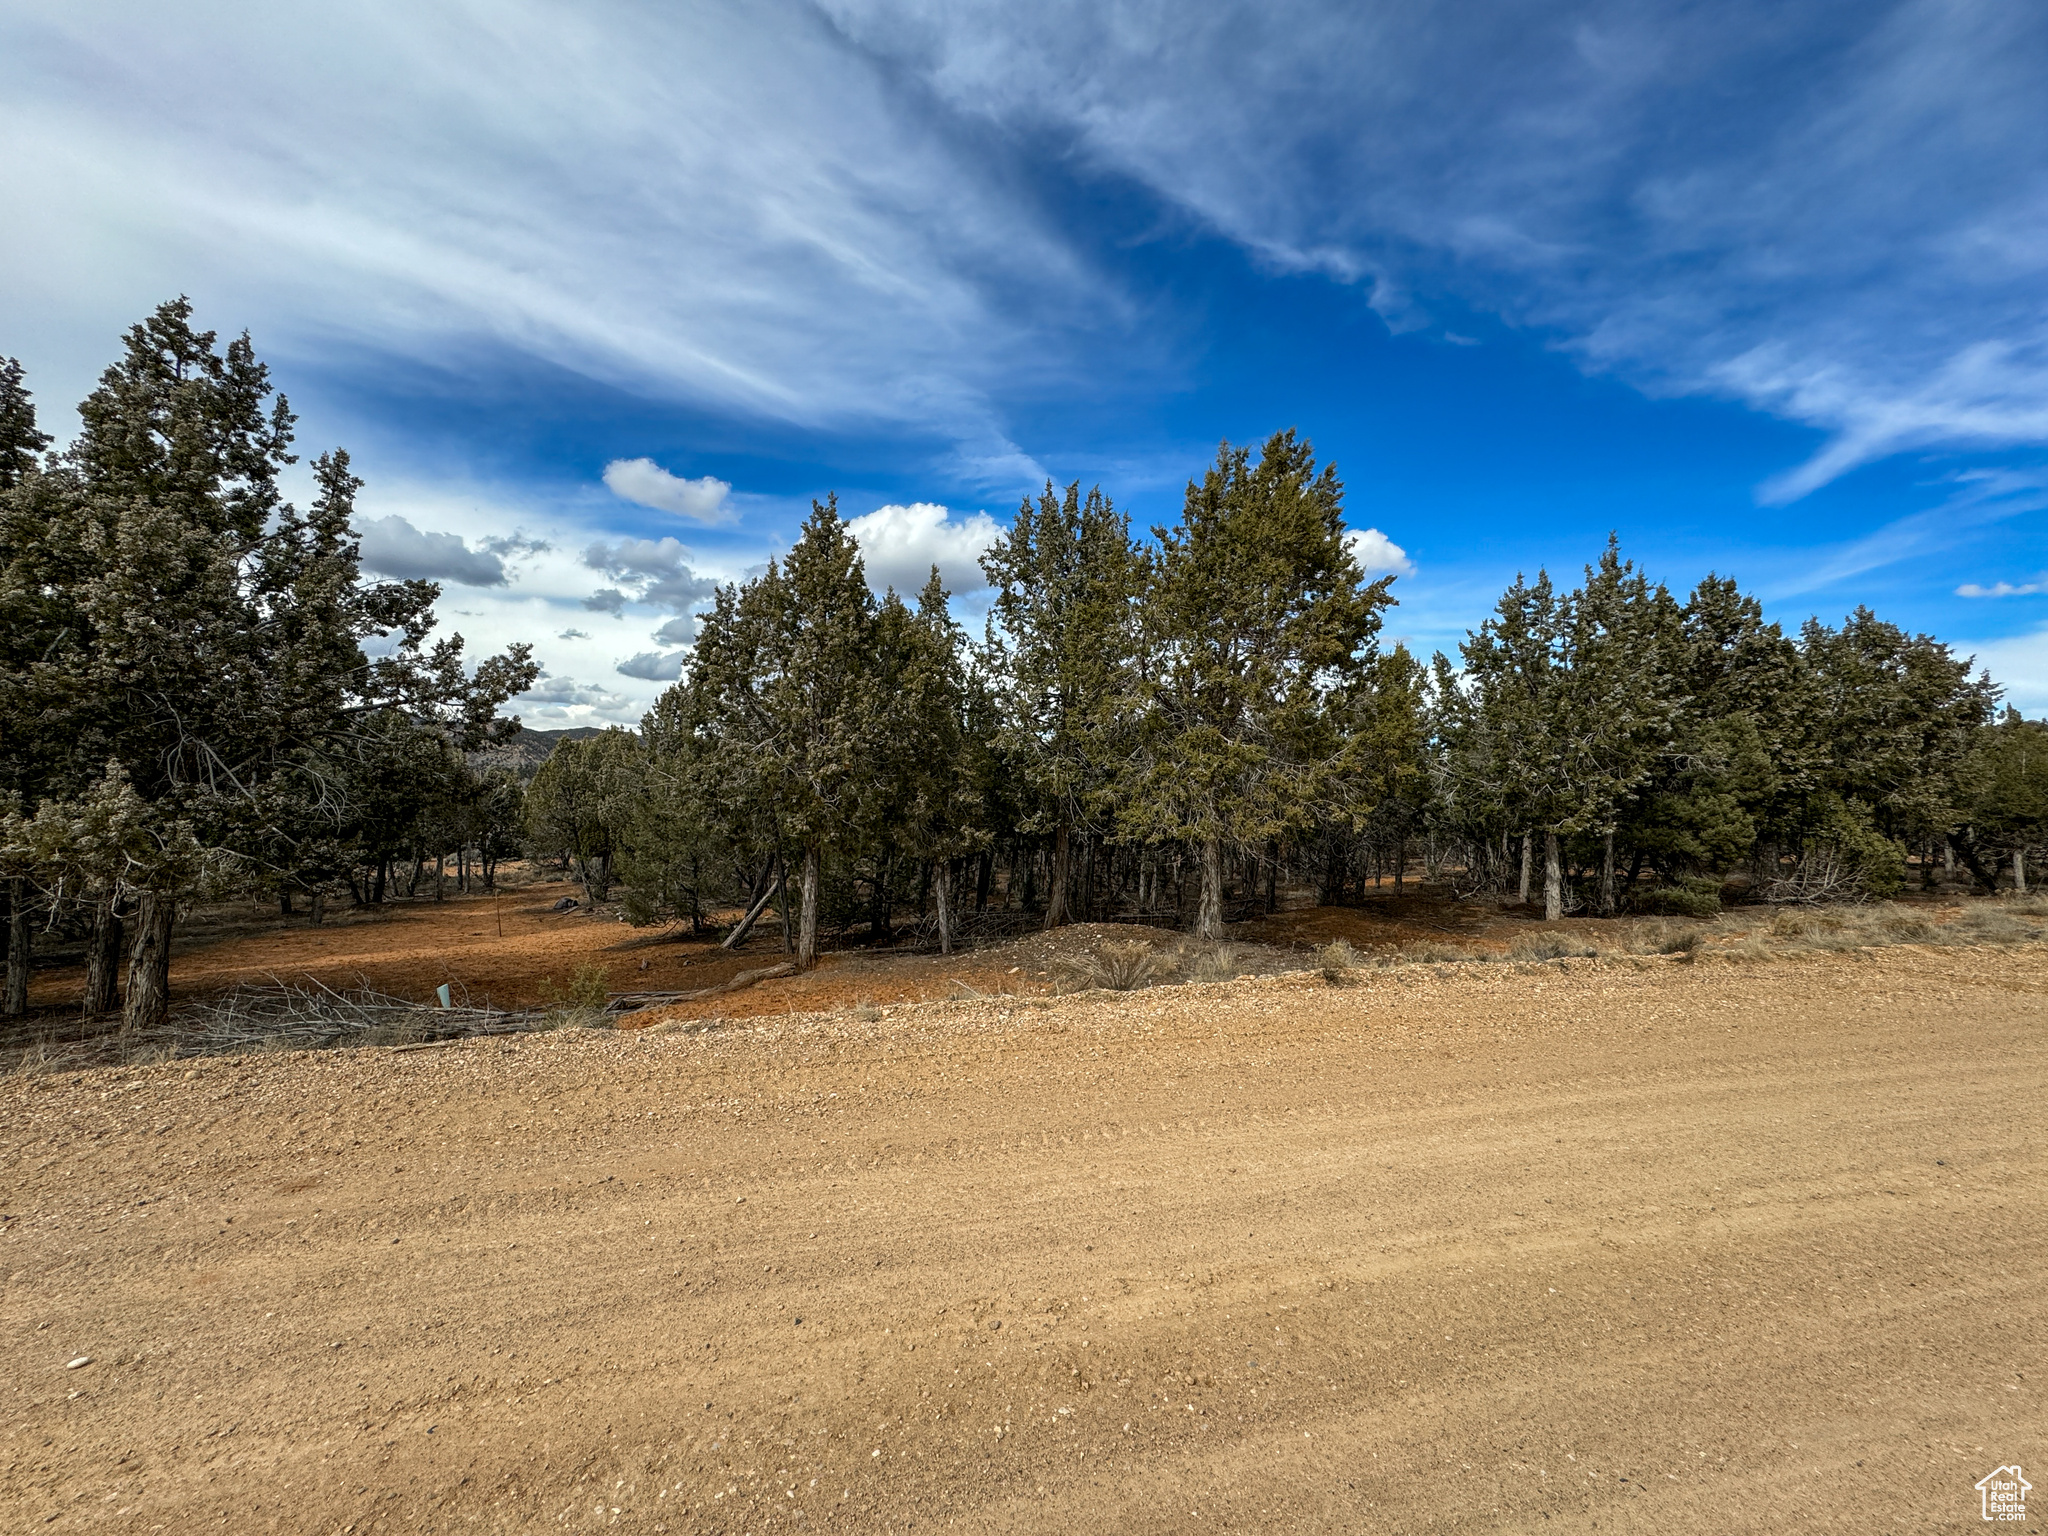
[[634, 1002], [739, 934]]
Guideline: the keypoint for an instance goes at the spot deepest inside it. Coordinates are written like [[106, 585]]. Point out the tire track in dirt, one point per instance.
[[1658, 1246]]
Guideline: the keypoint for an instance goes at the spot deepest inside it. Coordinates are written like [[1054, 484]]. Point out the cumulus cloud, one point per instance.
[[1376, 554], [657, 569], [566, 692], [607, 600], [899, 545], [514, 545], [2004, 589], [391, 546], [680, 630], [653, 666], [649, 485], [573, 634]]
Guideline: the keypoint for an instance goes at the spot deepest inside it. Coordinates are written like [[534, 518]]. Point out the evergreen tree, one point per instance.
[[782, 686], [1061, 639], [205, 636], [2005, 799], [1256, 614], [583, 803]]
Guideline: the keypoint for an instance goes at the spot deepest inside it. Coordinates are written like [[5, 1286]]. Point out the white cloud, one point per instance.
[[1376, 554], [2018, 664], [659, 570], [899, 545], [563, 699], [654, 666], [649, 485], [2003, 589], [392, 546], [1860, 246], [726, 205]]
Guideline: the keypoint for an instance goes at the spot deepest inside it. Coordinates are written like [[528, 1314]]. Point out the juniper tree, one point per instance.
[[207, 635], [583, 802], [2004, 800], [1255, 615], [27, 623], [1060, 643], [930, 699], [782, 688]]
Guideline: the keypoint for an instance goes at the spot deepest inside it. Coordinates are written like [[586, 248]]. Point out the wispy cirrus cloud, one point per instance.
[[1837, 214], [723, 205]]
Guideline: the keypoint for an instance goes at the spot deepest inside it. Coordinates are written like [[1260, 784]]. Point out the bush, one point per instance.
[[582, 1004], [1338, 960], [1119, 966], [1218, 962], [1688, 898], [1550, 946]]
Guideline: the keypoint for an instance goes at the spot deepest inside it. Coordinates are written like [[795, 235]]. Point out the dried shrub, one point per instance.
[[1550, 946], [1338, 960], [1431, 952], [1122, 965], [1216, 962]]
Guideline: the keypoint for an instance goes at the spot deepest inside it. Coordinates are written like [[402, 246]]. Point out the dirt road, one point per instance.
[[1643, 1245]]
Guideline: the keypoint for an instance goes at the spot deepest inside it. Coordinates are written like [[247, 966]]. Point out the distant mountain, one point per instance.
[[524, 753]]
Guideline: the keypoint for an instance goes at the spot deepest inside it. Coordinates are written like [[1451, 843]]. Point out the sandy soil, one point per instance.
[[1641, 1245]]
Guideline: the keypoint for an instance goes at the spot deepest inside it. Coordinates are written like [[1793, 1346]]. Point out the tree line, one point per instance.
[[200, 693], [1174, 729]]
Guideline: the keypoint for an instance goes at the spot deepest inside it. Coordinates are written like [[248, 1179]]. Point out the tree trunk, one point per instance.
[[1524, 897], [319, 905], [1400, 862], [1209, 906], [1273, 881], [149, 964], [440, 877], [284, 901], [807, 924], [942, 896], [14, 997], [746, 924], [1553, 880], [103, 960], [1056, 893], [2019, 871], [879, 929], [1607, 873], [383, 874], [983, 878], [1948, 860]]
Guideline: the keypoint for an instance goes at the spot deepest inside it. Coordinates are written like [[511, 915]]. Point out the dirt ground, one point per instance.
[[511, 949], [1638, 1244]]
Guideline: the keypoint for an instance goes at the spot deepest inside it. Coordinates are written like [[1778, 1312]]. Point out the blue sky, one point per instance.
[[601, 295]]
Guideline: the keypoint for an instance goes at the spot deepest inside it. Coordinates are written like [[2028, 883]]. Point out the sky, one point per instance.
[[600, 296]]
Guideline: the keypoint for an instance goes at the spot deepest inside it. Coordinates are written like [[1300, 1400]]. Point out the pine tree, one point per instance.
[[584, 801]]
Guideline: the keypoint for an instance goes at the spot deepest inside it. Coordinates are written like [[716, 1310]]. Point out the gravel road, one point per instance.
[[1645, 1244]]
